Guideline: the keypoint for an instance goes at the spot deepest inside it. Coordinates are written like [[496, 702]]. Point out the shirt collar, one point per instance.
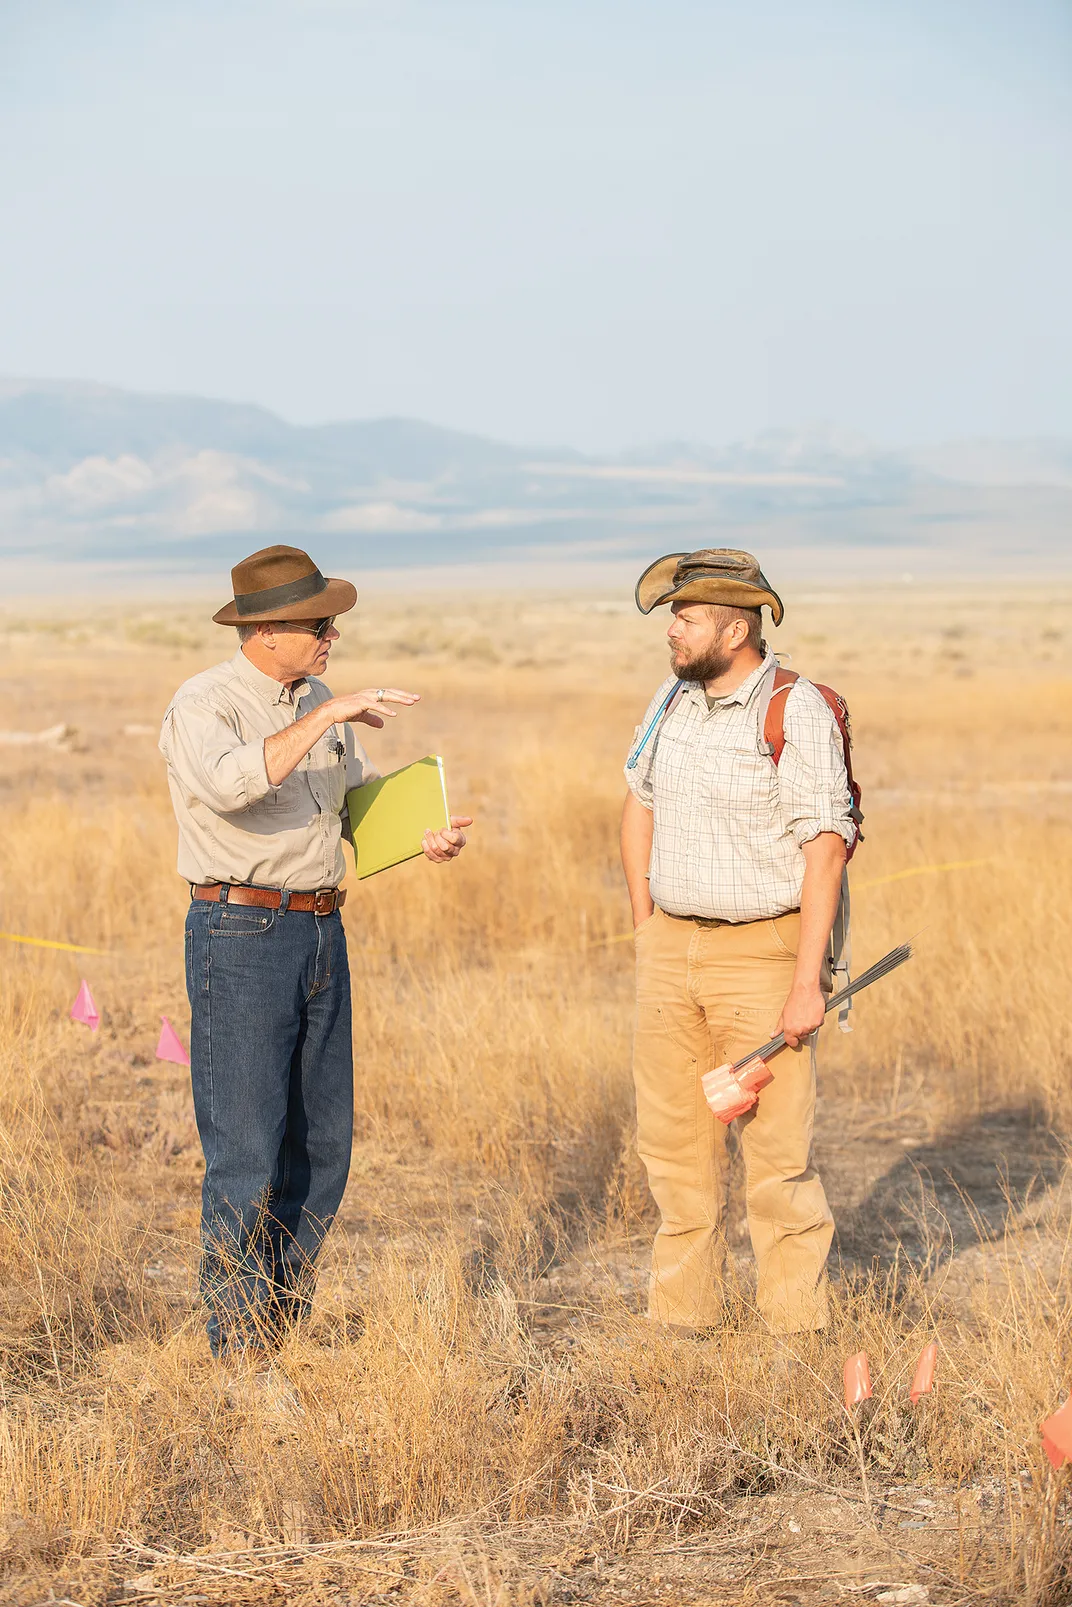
[[741, 694], [270, 689]]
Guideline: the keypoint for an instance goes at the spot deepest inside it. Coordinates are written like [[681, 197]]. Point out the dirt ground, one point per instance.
[[944, 1159]]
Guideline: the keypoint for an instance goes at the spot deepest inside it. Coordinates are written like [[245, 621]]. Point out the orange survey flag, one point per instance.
[[923, 1382], [857, 1380], [1057, 1434]]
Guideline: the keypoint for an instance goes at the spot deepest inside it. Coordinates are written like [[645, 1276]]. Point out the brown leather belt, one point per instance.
[[324, 902], [709, 922], [701, 920]]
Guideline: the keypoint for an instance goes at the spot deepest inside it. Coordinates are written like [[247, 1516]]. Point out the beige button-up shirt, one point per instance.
[[729, 825], [234, 826]]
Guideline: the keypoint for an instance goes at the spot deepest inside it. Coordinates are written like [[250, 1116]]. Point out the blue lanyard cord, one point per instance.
[[634, 758]]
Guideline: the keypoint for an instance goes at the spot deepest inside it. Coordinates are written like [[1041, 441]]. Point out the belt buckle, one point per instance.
[[324, 901]]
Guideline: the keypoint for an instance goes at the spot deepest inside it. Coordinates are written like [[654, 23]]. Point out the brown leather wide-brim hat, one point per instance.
[[283, 583], [712, 575]]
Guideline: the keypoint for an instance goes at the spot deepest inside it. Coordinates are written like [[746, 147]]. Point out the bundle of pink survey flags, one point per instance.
[[730, 1093], [732, 1090], [168, 1045]]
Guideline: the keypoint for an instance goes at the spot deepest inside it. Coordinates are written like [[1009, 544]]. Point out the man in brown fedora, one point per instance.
[[734, 867], [260, 756]]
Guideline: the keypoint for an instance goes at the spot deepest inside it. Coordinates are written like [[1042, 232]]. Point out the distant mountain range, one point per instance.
[[89, 472]]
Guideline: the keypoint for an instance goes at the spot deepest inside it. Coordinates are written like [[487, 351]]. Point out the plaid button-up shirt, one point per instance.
[[729, 824]]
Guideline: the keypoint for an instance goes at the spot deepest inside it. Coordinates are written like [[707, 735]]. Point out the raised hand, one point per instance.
[[285, 749], [370, 706]]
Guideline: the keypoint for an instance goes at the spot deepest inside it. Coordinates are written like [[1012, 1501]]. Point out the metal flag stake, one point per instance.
[[889, 962]]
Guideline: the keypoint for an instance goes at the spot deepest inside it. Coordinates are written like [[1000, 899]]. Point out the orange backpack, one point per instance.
[[774, 736], [772, 725]]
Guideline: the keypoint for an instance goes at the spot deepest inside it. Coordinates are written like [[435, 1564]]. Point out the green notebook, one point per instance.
[[389, 817]]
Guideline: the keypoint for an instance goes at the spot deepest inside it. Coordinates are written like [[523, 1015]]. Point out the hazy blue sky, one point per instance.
[[599, 222]]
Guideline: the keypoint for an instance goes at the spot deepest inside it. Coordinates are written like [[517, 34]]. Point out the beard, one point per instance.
[[709, 666]]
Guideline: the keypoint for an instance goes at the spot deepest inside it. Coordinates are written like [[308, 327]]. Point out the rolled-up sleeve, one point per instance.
[[813, 784], [209, 759]]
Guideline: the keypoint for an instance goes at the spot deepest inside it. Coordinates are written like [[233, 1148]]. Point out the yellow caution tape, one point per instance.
[[923, 870], [859, 887], [601, 943], [46, 943]]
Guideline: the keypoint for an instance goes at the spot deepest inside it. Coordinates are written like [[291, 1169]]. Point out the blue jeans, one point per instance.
[[272, 1071]]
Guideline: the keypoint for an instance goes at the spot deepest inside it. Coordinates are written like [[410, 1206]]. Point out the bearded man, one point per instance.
[[260, 757], [734, 868]]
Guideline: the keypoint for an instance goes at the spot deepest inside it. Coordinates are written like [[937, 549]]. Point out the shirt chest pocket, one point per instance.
[[327, 772], [674, 763], [725, 773], [292, 797], [319, 783]]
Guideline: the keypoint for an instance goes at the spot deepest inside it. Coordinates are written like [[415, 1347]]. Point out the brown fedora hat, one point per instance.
[[283, 583], [712, 575]]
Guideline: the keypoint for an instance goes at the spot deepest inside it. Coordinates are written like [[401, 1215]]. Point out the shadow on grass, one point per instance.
[[942, 1197]]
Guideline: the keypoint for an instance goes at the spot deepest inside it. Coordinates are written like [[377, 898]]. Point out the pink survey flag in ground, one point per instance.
[[84, 1010], [923, 1381], [169, 1045], [857, 1380]]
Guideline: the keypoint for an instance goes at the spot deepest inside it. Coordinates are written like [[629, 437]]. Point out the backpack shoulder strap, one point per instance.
[[772, 724], [772, 711], [655, 724], [841, 951]]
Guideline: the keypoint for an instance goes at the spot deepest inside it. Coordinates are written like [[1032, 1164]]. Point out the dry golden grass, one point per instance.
[[476, 1413]]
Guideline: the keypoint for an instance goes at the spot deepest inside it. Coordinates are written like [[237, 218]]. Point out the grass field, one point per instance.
[[477, 1413]]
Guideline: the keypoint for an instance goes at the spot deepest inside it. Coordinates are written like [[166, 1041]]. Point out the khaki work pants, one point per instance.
[[707, 995]]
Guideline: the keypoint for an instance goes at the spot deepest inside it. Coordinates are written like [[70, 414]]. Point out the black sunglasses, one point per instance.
[[319, 630]]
